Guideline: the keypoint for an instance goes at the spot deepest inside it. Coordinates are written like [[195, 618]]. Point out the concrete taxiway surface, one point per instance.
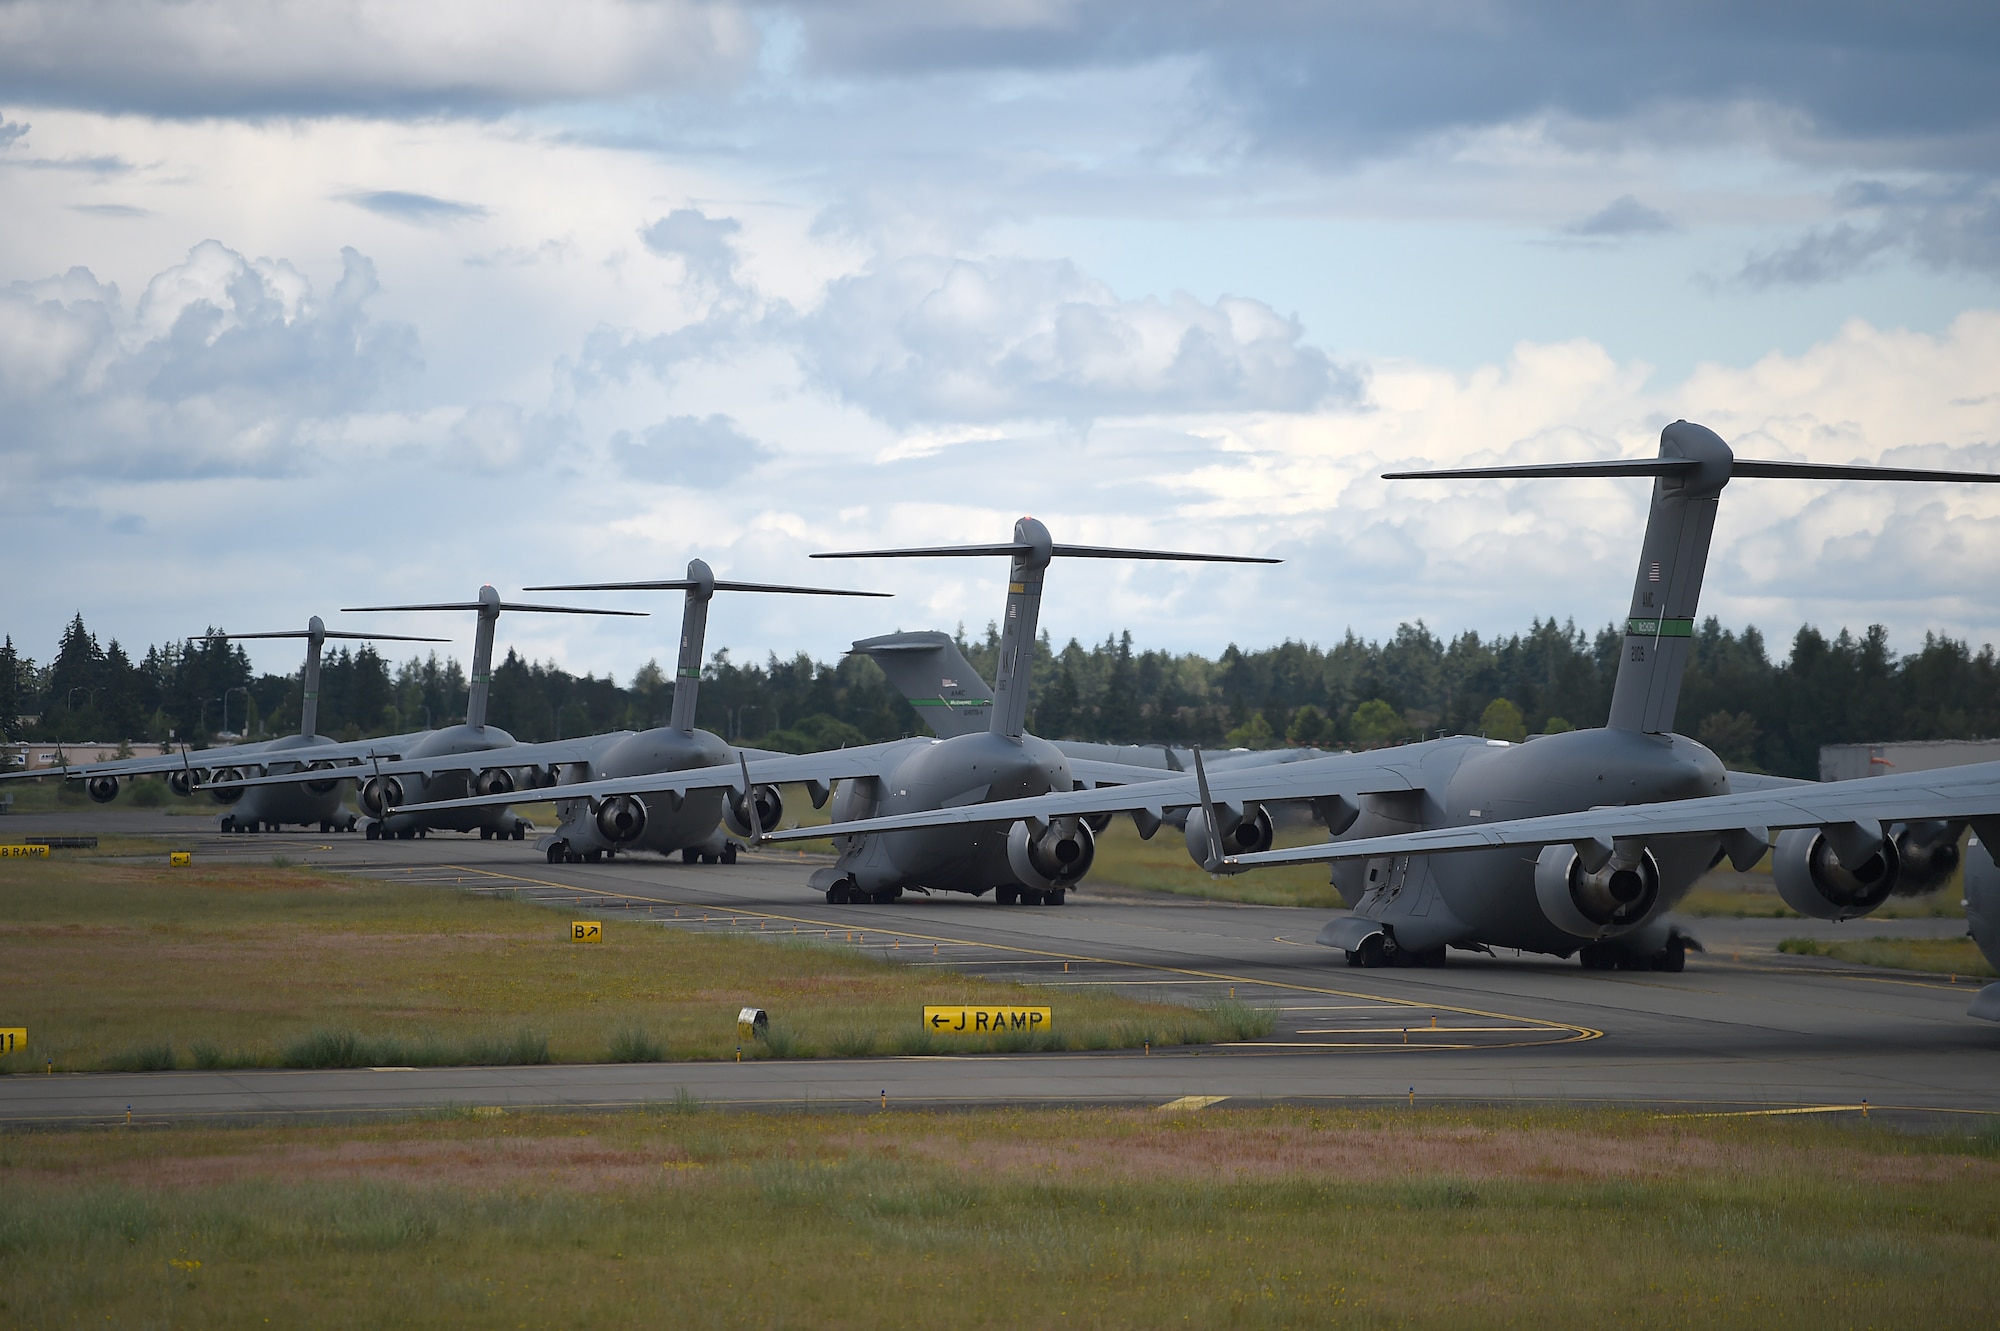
[[1743, 1028]]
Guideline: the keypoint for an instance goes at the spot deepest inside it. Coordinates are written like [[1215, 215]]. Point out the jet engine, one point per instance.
[[1929, 852], [325, 786], [102, 789], [222, 792], [770, 808], [1058, 857], [494, 781], [182, 783], [1813, 880], [1616, 898], [1242, 834], [379, 794], [622, 818]]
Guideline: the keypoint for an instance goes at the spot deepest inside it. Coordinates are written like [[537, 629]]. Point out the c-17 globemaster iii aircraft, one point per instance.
[[1001, 761], [589, 831], [434, 760], [218, 769], [1600, 896]]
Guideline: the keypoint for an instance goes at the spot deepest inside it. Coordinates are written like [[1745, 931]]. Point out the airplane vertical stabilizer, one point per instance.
[[935, 678]]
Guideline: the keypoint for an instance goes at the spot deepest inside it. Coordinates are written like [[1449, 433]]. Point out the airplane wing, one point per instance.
[[240, 757], [1969, 794], [833, 765], [546, 754], [1331, 777]]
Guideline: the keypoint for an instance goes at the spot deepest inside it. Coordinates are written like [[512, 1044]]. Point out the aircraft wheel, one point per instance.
[[689, 855], [592, 856], [556, 849], [729, 854], [837, 894], [1055, 897], [373, 832], [485, 834], [1672, 958], [1006, 896], [1372, 953], [520, 831], [708, 857], [572, 856], [1596, 957], [228, 824]]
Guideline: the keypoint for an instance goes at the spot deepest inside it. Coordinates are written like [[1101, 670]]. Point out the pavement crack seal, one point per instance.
[[1553, 1032]]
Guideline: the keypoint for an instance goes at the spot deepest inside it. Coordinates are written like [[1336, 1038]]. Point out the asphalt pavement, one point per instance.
[[1743, 1029]]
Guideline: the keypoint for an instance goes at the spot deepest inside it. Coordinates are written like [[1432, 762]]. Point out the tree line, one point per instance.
[[1754, 711]]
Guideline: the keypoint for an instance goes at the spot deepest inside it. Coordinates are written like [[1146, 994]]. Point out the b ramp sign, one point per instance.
[[959, 1020]]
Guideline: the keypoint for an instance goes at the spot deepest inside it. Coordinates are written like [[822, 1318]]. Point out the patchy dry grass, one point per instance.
[[109, 964], [1939, 956], [1107, 1218]]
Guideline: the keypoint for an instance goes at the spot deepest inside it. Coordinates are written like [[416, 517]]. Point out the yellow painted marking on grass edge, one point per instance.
[[1187, 1102], [1572, 1033]]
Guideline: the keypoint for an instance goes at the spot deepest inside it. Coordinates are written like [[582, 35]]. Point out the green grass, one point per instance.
[[681, 1217], [1939, 956], [135, 965], [1162, 865], [1724, 892]]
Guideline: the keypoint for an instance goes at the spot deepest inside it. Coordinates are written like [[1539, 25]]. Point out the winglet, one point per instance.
[[750, 802], [1214, 862]]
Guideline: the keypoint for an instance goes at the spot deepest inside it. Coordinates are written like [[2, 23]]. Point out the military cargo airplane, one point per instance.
[[1599, 898], [437, 747], [217, 769], [1001, 761], [588, 832]]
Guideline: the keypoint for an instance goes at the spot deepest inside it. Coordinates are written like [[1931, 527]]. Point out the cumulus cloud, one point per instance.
[[223, 363], [10, 131], [502, 435], [696, 452], [934, 339], [1946, 225], [1623, 216], [706, 246], [202, 57]]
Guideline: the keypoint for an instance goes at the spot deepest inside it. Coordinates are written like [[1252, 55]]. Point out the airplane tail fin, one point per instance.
[[701, 585], [1689, 474], [935, 678], [315, 633], [1028, 556], [489, 605]]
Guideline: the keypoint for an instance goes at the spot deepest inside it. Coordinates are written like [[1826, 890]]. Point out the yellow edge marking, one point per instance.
[[1573, 1034], [1191, 1102], [1805, 1109]]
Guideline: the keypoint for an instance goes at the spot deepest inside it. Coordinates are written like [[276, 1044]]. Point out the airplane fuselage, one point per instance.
[[255, 807], [448, 785], [665, 828], [1489, 897], [937, 774]]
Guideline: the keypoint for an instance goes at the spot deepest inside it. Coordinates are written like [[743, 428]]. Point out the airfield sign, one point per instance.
[[987, 1020]]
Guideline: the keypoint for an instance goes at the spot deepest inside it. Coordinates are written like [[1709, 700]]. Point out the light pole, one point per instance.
[[69, 700], [225, 706]]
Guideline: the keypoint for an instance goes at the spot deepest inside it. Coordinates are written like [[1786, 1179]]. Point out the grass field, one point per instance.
[[139, 966], [680, 1217], [1941, 956], [1724, 892]]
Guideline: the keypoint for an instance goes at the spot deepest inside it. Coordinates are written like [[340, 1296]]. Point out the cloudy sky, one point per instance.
[[312, 303]]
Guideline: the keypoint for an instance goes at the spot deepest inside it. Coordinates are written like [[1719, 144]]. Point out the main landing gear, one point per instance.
[[845, 893], [1381, 950], [1030, 896], [696, 855], [1610, 957]]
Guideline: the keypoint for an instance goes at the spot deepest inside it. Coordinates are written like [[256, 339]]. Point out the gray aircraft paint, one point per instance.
[[667, 825], [447, 780], [999, 762], [1418, 903]]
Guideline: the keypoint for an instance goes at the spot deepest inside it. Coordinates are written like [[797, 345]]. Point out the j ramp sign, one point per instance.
[[960, 1020]]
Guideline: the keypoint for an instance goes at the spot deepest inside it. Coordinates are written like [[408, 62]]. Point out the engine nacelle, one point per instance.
[[1059, 857], [770, 808], [325, 786], [101, 789], [222, 792], [1813, 881], [494, 781], [1929, 852], [182, 783], [1615, 899], [379, 794], [622, 818], [1249, 834]]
